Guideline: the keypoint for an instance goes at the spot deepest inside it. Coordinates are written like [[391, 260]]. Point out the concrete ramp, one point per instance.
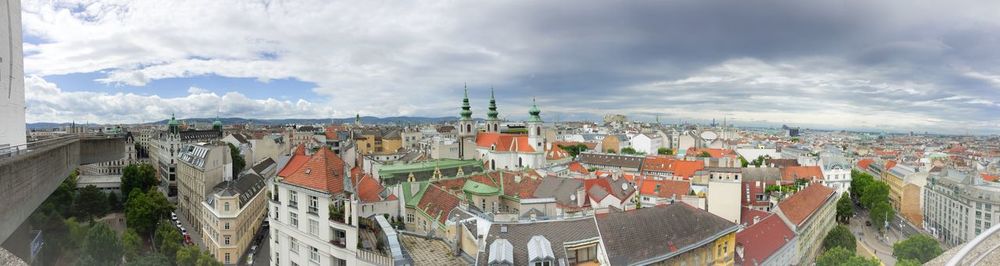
[[30, 173]]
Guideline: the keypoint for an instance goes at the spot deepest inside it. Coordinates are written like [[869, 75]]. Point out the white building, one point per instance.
[[836, 173], [646, 143], [723, 197]]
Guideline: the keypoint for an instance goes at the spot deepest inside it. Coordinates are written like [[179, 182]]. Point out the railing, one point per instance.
[[18, 150], [374, 258]]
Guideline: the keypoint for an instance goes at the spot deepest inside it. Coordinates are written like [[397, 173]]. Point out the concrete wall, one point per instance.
[[99, 149], [26, 180], [12, 127]]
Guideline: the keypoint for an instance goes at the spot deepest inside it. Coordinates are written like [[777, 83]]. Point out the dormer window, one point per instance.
[[540, 252]]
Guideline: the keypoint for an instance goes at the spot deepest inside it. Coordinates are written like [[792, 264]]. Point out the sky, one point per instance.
[[855, 64]]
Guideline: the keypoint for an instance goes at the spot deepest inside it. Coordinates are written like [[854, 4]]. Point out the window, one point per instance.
[[293, 199], [226, 237], [294, 246], [227, 259], [409, 218], [226, 206], [275, 214], [227, 225], [313, 205], [314, 227], [314, 254], [293, 219]]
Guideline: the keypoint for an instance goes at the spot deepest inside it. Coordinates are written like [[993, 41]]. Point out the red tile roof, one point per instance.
[[664, 188], [750, 191], [804, 203], [324, 171], [555, 153], [669, 164], [747, 215], [577, 167], [889, 165], [864, 163], [990, 178], [437, 203], [763, 239], [504, 141], [298, 159], [714, 153], [791, 173], [524, 189], [369, 189]]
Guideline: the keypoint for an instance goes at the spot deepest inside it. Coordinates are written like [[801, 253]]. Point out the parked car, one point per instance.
[[253, 249], [173, 216], [250, 259]]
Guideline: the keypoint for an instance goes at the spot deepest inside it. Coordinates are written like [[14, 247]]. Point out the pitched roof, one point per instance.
[[791, 173], [781, 163], [523, 187], [864, 163], [664, 188], [624, 161], [556, 153], [577, 167], [747, 215], [763, 239], [504, 142], [437, 203], [369, 190], [804, 203], [558, 233], [714, 153], [324, 171], [297, 160], [669, 164], [657, 232]]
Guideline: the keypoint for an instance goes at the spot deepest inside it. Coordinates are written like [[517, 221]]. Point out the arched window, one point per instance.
[[538, 131], [468, 128], [493, 164], [495, 127], [520, 162]]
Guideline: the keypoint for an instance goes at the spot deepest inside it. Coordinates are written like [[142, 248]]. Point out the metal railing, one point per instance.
[[22, 149], [374, 258]]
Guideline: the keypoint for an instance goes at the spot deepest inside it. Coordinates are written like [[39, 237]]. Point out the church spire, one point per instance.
[[534, 112], [466, 109], [492, 113]]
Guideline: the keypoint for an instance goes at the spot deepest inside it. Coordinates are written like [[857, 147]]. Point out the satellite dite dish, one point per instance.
[[625, 186], [709, 135]]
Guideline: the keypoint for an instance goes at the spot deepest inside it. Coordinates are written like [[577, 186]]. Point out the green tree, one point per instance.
[[62, 198], [845, 209], [131, 244], [138, 176], [77, 232], [664, 151], [87, 260], [908, 262], [921, 248], [874, 192], [574, 150], [629, 150], [91, 203], [153, 259], [103, 245], [611, 150], [859, 181], [206, 259], [168, 239], [114, 203], [188, 256], [704, 154], [839, 256], [880, 214], [839, 236], [743, 162], [144, 210], [238, 162]]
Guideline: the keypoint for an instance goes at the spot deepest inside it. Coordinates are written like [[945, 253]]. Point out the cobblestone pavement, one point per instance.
[[429, 252]]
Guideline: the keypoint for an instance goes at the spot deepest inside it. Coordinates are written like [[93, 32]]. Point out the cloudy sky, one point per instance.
[[894, 65]]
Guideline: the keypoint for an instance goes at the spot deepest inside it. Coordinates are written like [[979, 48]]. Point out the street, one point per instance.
[[262, 256], [869, 236]]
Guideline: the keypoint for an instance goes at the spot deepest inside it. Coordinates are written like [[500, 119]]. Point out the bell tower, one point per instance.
[[492, 122], [534, 126], [465, 126]]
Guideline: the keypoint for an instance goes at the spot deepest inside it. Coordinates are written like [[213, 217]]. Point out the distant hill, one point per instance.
[[301, 121]]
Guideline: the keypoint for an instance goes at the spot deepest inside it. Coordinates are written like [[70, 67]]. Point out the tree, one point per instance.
[[859, 181], [131, 244], [138, 176], [874, 192], [91, 203], [575, 149], [921, 248], [153, 259], [839, 236], [664, 151], [704, 154], [839, 256], [880, 214], [743, 162], [114, 203], [103, 245], [238, 162], [206, 259], [845, 209], [168, 239], [188, 256], [144, 210], [908, 262], [629, 150], [77, 232], [611, 150]]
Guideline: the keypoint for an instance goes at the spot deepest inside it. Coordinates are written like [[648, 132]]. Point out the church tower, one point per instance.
[[492, 122], [173, 127], [217, 124], [534, 125], [465, 126]]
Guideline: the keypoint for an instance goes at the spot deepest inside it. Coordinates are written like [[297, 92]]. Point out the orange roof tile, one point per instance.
[[990, 178], [369, 189], [504, 141], [298, 159], [804, 203], [664, 188], [889, 165], [524, 189], [577, 167], [811, 173], [437, 203], [324, 171], [864, 163], [680, 168], [556, 153]]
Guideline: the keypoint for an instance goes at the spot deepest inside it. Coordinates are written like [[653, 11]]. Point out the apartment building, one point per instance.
[[233, 213], [200, 168], [958, 206]]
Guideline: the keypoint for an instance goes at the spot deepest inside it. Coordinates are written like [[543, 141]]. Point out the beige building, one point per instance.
[[810, 214], [201, 167], [232, 214]]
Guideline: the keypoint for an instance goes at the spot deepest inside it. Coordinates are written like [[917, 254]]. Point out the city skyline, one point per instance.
[[832, 64]]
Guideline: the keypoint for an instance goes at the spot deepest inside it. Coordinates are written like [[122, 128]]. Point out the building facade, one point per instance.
[[959, 206], [232, 214], [201, 167]]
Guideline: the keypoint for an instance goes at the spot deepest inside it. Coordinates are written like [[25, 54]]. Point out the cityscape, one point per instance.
[[292, 133]]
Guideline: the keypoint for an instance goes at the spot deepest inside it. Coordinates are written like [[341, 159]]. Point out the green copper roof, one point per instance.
[[173, 120], [413, 200], [492, 113], [534, 112], [387, 170], [473, 187], [466, 109]]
